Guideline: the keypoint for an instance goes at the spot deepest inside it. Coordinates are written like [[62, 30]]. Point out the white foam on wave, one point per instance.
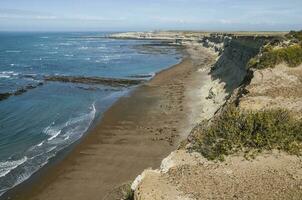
[[61, 135], [89, 116], [21, 178], [110, 57], [68, 132], [51, 149], [40, 144], [7, 166], [76, 130], [65, 44], [4, 76], [54, 135], [8, 74], [83, 48], [53, 132], [13, 51]]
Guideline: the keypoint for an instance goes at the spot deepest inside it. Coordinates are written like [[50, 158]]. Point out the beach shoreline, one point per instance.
[[137, 132]]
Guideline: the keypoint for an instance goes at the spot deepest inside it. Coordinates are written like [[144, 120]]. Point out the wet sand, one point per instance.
[[137, 132]]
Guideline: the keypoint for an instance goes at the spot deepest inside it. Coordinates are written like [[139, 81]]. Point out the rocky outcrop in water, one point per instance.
[[114, 82], [19, 91], [4, 95]]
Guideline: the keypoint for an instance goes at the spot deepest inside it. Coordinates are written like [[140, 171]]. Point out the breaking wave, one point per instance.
[[7, 166]]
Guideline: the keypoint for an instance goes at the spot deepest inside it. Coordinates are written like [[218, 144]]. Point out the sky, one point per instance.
[[142, 15]]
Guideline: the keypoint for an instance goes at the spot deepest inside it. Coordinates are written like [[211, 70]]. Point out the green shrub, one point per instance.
[[129, 193], [294, 35], [270, 57], [234, 131]]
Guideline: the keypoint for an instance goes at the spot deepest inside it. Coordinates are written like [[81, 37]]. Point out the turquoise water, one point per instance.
[[37, 124]]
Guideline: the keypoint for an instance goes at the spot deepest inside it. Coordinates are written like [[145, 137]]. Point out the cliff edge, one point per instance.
[[249, 140]]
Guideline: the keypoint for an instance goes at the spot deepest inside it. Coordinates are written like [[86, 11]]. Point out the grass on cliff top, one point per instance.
[[294, 35], [249, 132], [270, 57]]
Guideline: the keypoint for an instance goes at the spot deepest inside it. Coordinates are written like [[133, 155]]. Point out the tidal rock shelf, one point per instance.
[[19, 91], [113, 82]]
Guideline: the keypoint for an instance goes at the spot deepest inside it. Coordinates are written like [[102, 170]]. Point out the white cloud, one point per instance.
[[32, 15]]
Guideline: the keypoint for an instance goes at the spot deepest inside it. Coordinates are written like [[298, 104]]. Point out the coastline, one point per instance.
[[138, 131], [230, 82]]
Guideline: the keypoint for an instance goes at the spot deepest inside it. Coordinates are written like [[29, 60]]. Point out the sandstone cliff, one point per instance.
[[272, 174]]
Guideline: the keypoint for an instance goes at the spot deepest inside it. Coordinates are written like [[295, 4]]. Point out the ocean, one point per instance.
[[39, 118]]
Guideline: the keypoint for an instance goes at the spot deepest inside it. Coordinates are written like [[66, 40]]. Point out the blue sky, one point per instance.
[[121, 15]]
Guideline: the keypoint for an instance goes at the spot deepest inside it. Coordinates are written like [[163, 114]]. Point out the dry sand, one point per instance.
[[135, 133], [189, 176]]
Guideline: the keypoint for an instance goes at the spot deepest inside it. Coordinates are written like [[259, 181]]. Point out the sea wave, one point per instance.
[[65, 44], [110, 57], [53, 52], [53, 136], [36, 59], [142, 76], [13, 51], [75, 126], [83, 48], [4, 76], [8, 74], [61, 135], [7, 166], [68, 55]]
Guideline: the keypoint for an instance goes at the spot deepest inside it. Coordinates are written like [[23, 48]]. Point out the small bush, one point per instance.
[[294, 35], [270, 57], [129, 193], [235, 131]]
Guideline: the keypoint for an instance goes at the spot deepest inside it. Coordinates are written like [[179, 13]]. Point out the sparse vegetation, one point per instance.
[[294, 35], [270, 55], [234, 131], [129, 193]]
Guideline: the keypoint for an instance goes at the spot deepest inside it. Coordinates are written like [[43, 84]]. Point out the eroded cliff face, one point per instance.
[[235, 53]]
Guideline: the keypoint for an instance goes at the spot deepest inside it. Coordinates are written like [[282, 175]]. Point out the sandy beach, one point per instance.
[[137, 132]]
